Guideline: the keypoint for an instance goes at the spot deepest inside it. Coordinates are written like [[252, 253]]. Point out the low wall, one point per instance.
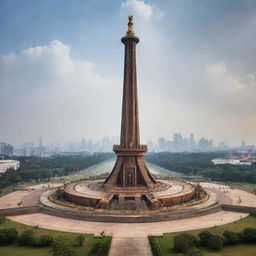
[[123, 217], [239, 208], [101, 217], [88, 201], [20, 210], [173, 200]]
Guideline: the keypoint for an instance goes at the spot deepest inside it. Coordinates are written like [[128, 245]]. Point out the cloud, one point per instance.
[[46, 92], [138, 8], [225, 81]]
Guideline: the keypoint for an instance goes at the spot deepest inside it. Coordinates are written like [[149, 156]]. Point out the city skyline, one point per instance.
[[176, 142], [57, 81]]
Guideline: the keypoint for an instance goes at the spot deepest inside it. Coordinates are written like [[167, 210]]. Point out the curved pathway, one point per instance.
[[127, 229], [131, 229]]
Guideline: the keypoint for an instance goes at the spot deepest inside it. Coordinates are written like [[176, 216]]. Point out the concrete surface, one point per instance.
[[131, 246]]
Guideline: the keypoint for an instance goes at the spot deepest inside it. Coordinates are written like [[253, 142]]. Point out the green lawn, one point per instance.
[[236, 250], [165, 243], [251, 188], [15, 250]]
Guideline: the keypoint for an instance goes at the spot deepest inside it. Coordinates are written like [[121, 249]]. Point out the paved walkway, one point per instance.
[[237, 196], [132, 229], [127, 229], [25, 197], [130, 246], [130, 238]]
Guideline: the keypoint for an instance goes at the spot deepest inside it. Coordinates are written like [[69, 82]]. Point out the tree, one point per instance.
[[8, 236], [62, 247], [184, 242], [194, 252], [204, 237], [79, 240], [215, 242], [232, 237], [45, 240], [2, 219], [26, 238], [249, 235]]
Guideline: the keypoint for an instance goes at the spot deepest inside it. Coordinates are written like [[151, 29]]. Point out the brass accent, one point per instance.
[[130, 26]]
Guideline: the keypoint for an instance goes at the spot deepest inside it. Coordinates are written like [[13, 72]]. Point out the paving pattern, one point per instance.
[[25, 197], [131, 246], [130, 235], [127, 229]]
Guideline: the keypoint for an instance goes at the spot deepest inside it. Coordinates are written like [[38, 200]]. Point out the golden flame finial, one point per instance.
[[130, 26]]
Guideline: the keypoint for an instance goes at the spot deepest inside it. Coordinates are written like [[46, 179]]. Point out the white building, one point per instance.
[[232, 161], [6, 164]]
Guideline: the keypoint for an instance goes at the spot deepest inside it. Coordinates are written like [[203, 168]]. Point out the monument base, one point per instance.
[[93, 194]]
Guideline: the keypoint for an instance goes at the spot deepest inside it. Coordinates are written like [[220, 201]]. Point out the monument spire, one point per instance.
[[130, 169], [130, 26]]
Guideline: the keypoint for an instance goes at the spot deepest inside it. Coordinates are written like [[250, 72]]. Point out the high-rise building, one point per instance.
[[223, 146], [185, 144], [192, 143], [205, 145], [6, 149], [177, 142], [161, 144], [150, 145]]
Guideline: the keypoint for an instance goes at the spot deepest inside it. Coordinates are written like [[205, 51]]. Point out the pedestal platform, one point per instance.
[[129, 206], [165, 193]]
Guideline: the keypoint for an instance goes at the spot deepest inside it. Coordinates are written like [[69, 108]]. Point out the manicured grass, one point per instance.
[[15, 250], [236, 250], [251, 188], [164, 244]]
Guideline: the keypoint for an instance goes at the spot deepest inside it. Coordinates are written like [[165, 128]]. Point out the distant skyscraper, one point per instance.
[[192, 143], [161, 144], [177, 142], [185, 144], [205, 145], [223, 146], [40, 142], [150, 145], [6, 149], [169, 145]]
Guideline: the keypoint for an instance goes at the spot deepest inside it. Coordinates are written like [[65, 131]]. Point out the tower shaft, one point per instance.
[[130, 169], [130, 114]]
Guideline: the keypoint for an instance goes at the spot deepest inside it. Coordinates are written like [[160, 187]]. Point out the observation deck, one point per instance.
[[132, 149]]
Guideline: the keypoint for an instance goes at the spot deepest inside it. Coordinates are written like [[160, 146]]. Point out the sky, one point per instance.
[[61, 68]]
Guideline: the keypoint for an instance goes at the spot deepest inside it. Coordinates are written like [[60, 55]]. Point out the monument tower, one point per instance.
[[130, 170], [130, 185]]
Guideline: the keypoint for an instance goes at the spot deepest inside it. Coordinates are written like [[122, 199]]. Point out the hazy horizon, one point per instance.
[[61, 69]]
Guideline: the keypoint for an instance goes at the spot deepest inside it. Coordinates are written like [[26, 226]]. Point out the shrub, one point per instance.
[[231, 237], [45, 240], [8, 236], [194, 252], [79, 240], [215, 242], [59, 194], [184, 242], [61, 246], [27, 238], [204, 237], [2, 219], [249, 235]]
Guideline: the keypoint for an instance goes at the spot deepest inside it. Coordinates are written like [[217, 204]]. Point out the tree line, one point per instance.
[[199, 164], [38, 169]]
